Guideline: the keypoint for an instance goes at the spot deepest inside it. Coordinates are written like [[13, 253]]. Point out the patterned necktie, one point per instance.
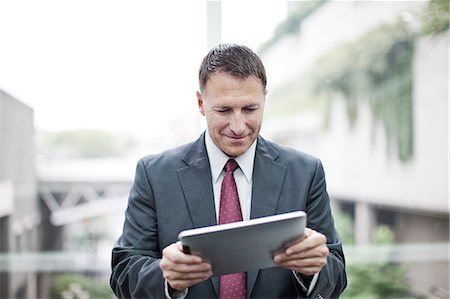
[[232, 286]]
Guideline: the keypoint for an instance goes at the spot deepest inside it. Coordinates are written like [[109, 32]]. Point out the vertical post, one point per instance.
[[213, 23], [364, 223], [31, 285], [335, 206], [213, 36]]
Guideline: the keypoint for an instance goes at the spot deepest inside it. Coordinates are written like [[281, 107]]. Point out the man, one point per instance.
[[181, 189]]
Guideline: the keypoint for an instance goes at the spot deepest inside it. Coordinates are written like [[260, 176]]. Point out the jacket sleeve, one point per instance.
[[136, 254], [332, 278]]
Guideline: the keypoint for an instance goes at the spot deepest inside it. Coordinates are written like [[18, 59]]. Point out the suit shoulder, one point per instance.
[[287, 154], [173, 156]]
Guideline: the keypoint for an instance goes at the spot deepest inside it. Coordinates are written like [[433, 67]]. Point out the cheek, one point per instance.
[[254, 121], [216, 122]]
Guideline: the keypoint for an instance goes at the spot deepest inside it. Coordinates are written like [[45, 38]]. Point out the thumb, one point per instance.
[[308, 232]]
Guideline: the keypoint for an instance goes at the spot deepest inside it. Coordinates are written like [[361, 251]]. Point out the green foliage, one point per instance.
[[436, 18], [377, 68], [375, 280], [344, 225], [83, 143], [383, 235], [65, 282]]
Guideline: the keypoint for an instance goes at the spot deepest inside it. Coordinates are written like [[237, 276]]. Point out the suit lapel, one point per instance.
[[195, 180], [268, 177]]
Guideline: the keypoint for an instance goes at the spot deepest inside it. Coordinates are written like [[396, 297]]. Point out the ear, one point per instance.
[[200, 103]]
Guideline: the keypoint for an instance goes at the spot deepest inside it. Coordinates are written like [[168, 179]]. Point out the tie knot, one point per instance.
[[231, 165]]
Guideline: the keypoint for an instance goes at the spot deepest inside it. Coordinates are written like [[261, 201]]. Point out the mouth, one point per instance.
[[236, 138]]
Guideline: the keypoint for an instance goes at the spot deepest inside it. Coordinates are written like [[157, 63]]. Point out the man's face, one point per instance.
[[233, 108]]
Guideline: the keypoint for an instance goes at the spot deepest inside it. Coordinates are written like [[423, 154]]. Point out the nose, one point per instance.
[[237, 124]]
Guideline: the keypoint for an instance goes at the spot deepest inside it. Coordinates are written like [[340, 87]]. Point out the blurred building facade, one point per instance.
[[365, 178], [54, 212], [19, 211]]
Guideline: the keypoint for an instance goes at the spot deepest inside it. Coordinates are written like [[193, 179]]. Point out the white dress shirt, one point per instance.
[[242, 175]]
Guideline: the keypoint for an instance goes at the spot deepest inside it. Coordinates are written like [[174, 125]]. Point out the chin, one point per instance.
[[234, 152]]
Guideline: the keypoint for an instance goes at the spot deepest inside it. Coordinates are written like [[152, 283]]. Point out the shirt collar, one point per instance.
[[217, 159]]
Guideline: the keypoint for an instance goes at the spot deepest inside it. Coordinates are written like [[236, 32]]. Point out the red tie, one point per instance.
[[232, 286]]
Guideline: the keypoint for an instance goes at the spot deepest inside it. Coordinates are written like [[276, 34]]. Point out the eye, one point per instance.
[[250, 109], [222, 110]]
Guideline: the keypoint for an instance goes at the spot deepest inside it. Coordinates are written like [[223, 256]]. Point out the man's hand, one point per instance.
[[183, 270], [307, 256]]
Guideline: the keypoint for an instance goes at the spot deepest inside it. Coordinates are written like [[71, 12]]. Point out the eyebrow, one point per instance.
[[252, 106], [255, 105]]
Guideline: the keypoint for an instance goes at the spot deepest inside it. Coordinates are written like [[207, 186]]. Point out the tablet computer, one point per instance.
[[244, 245]]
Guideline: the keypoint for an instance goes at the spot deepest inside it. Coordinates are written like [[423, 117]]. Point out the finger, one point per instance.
[[175, 263], [321, 251], [307, 267], [310, 262], [192, 268], [175, 254], [167, 264], [180, 245], [308, 232], [315, 239], [181, 280], [172, 275], [183, 258]]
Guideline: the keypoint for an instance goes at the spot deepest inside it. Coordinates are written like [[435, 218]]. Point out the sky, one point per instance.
[[116, 65]]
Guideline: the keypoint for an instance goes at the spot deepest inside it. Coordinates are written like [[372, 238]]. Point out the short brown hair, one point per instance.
[[236, 60]]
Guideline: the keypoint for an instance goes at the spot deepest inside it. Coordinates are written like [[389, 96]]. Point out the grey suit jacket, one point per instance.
[[173, 191]]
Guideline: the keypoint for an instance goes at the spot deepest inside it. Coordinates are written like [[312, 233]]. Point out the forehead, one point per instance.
[[220, 83]]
